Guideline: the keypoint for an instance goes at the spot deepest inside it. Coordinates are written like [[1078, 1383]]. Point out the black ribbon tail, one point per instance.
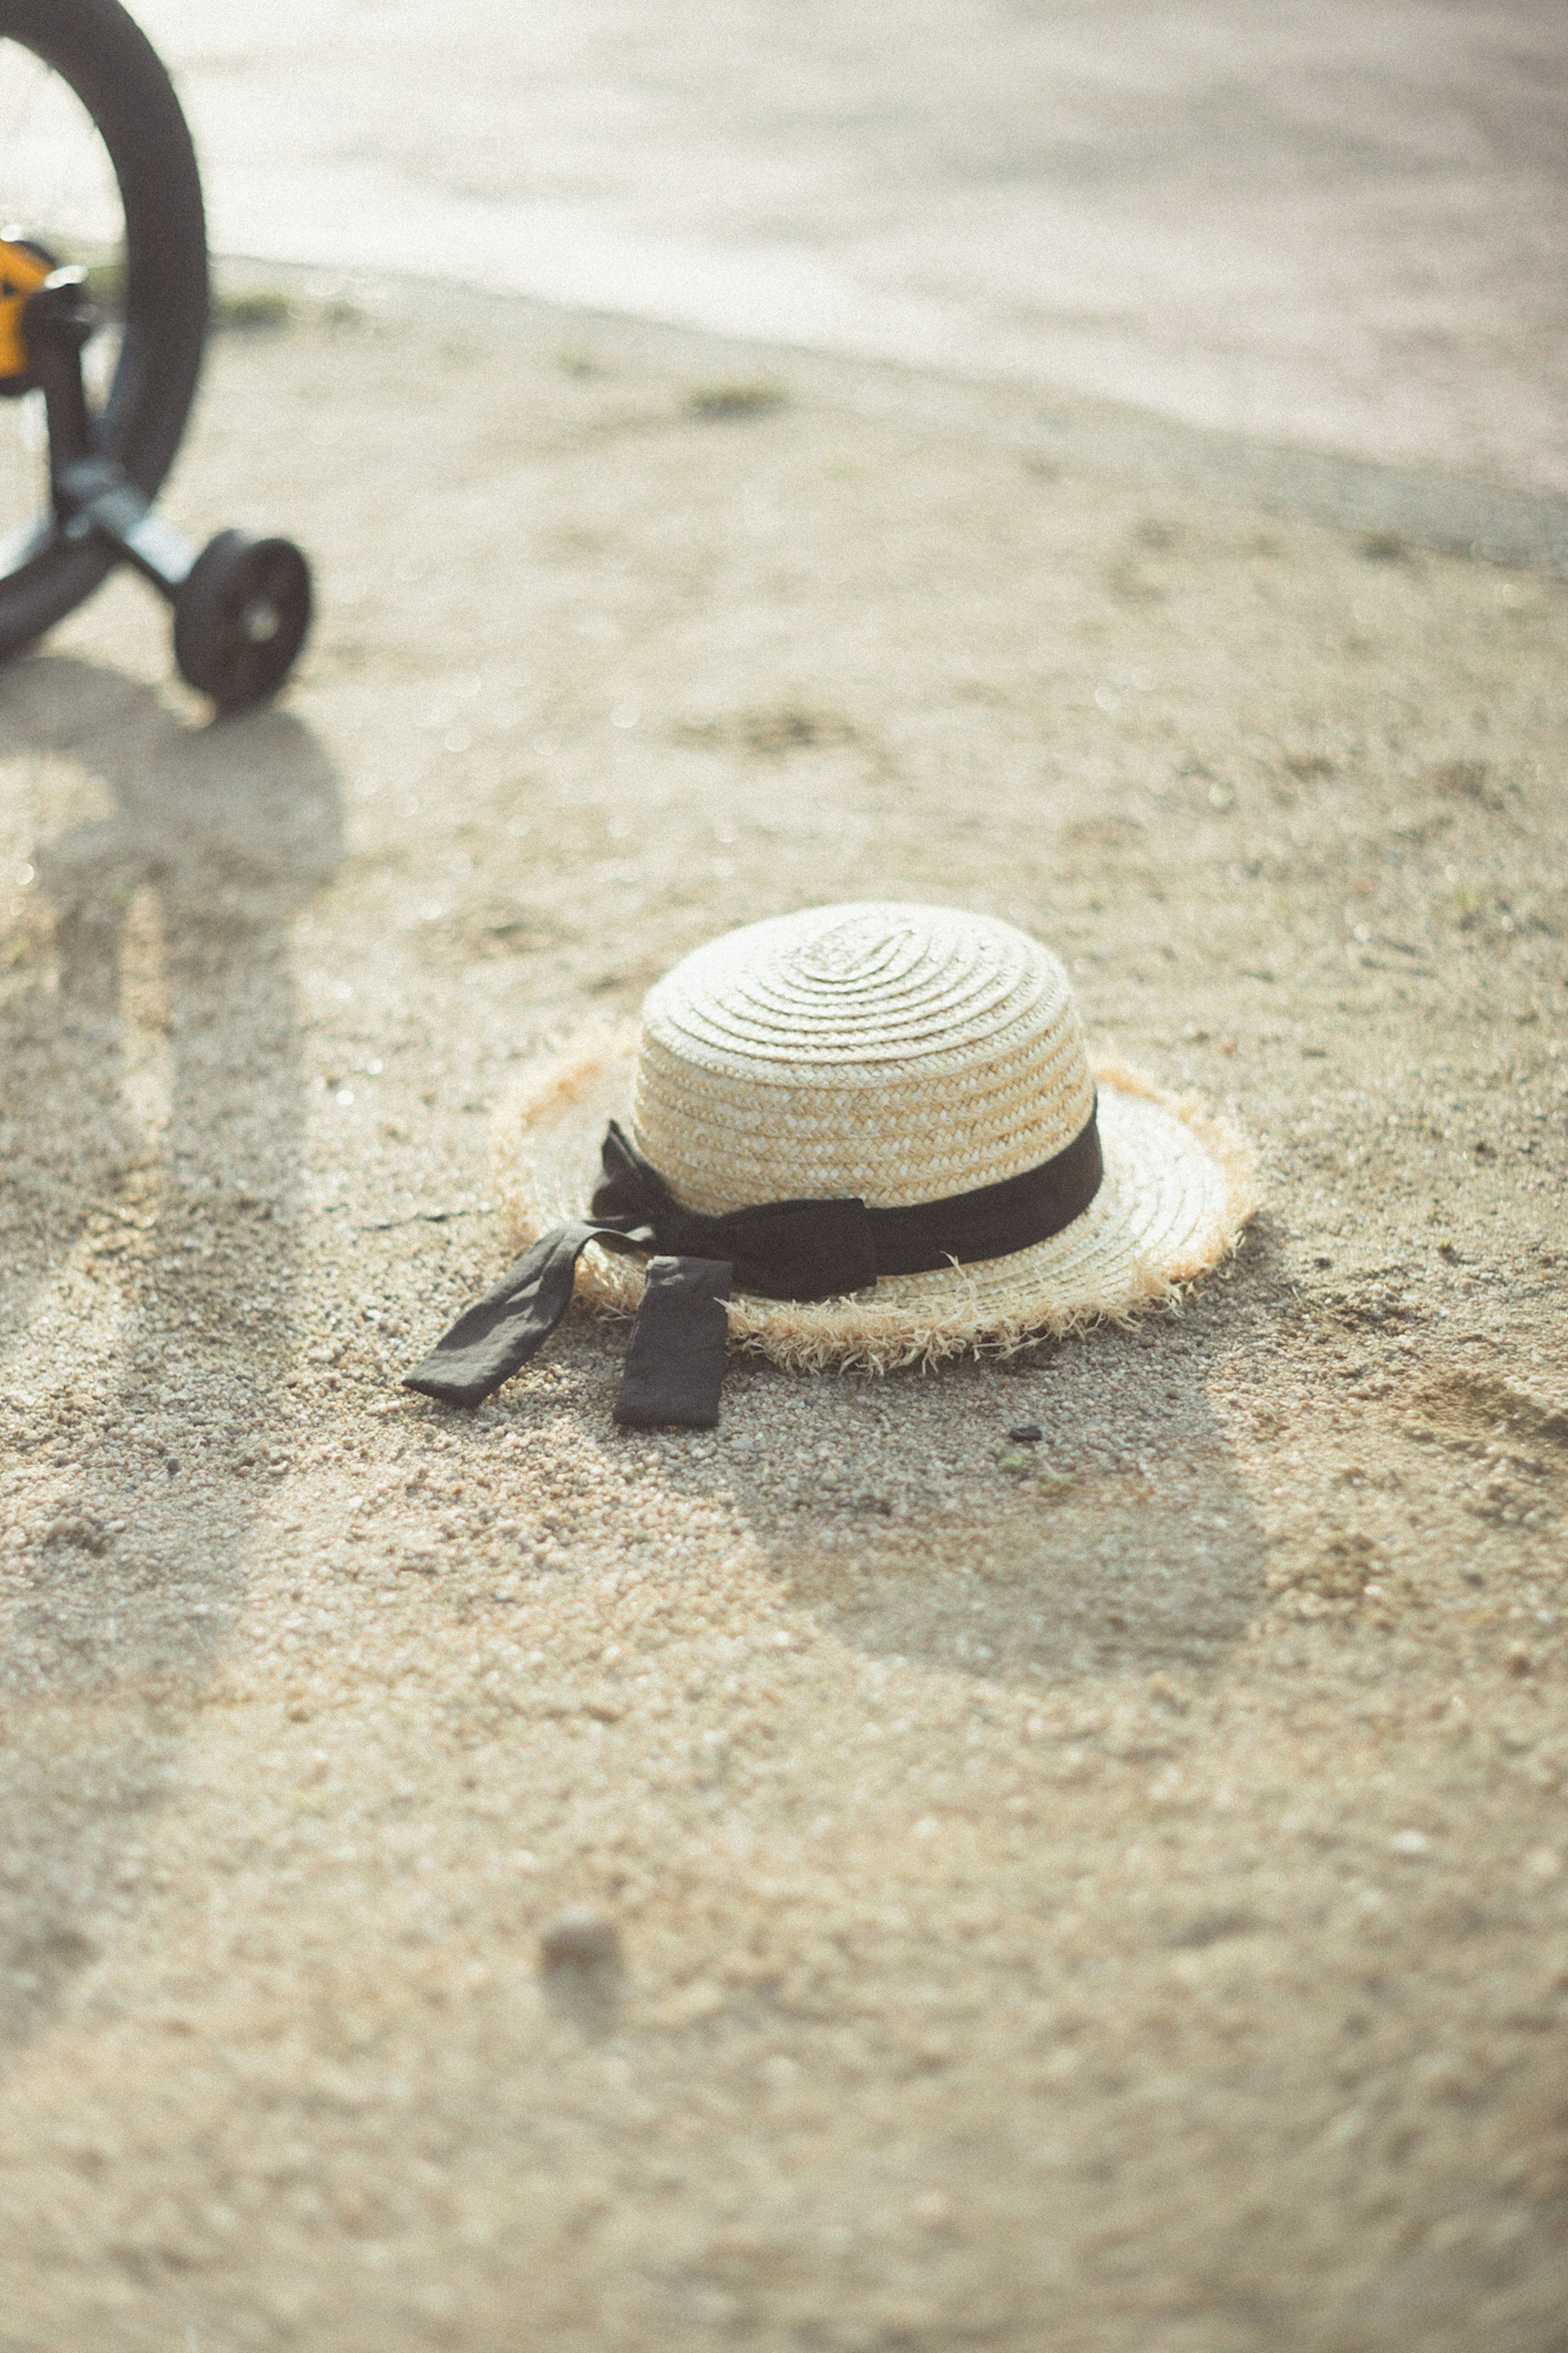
[[500, 1332], [675, 1364]]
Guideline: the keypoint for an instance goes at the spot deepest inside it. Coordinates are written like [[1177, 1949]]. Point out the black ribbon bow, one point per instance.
[[781, 1249]]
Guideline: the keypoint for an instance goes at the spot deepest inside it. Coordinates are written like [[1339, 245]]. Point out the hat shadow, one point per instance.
[[892, 1514], [895, 1512], [150, 1071], [1123, 1542]]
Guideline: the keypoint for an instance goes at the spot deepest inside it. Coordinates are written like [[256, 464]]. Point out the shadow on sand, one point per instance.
[[1124, 1543], [150, 1064]]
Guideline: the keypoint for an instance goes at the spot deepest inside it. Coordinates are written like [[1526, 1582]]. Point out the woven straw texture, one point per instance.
[[904, 1054], [897, 1053]]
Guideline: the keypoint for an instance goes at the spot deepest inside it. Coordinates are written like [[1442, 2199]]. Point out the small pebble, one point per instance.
[[1029, 1433], [579, 1940]]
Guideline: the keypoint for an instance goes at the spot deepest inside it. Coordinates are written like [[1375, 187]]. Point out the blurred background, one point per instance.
[[1338, 225]]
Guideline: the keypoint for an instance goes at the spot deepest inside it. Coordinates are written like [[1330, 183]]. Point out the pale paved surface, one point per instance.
[[1340, 226], [1125, 1920]]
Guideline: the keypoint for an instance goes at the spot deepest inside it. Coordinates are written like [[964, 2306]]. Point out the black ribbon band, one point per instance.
[[781, 1249]]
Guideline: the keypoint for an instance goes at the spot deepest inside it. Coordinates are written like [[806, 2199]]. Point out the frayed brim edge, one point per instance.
[[850, 1335]]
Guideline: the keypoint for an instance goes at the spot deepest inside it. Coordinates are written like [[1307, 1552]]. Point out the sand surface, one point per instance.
[[1106, 1901]]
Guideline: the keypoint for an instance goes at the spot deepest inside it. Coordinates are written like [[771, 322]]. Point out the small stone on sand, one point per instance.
[[579, 1940]]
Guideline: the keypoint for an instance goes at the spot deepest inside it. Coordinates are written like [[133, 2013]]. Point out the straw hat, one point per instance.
[[899, 1055]]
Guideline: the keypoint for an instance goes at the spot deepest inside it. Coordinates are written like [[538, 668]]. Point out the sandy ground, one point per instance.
[[1338, 224], [1115, 1913]]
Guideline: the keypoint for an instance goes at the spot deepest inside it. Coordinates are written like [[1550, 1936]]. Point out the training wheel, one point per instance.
[[240, 617]]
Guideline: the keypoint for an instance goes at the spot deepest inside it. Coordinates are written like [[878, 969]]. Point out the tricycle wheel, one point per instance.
[[96, 166], [240, 617]]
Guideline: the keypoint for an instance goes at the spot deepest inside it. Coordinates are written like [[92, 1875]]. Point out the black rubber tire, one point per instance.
[[231, 579], [110, 64]]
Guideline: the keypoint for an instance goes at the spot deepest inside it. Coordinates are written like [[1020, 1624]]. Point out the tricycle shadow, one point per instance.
[[151, 1059]]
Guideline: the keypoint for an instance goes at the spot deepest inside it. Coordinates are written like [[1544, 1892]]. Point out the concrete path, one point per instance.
[[1338, 227]]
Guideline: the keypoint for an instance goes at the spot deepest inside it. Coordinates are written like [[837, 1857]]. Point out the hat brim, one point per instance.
[[1178, 1188]]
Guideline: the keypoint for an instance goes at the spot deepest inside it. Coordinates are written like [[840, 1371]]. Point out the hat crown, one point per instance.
[[896, 1052]]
